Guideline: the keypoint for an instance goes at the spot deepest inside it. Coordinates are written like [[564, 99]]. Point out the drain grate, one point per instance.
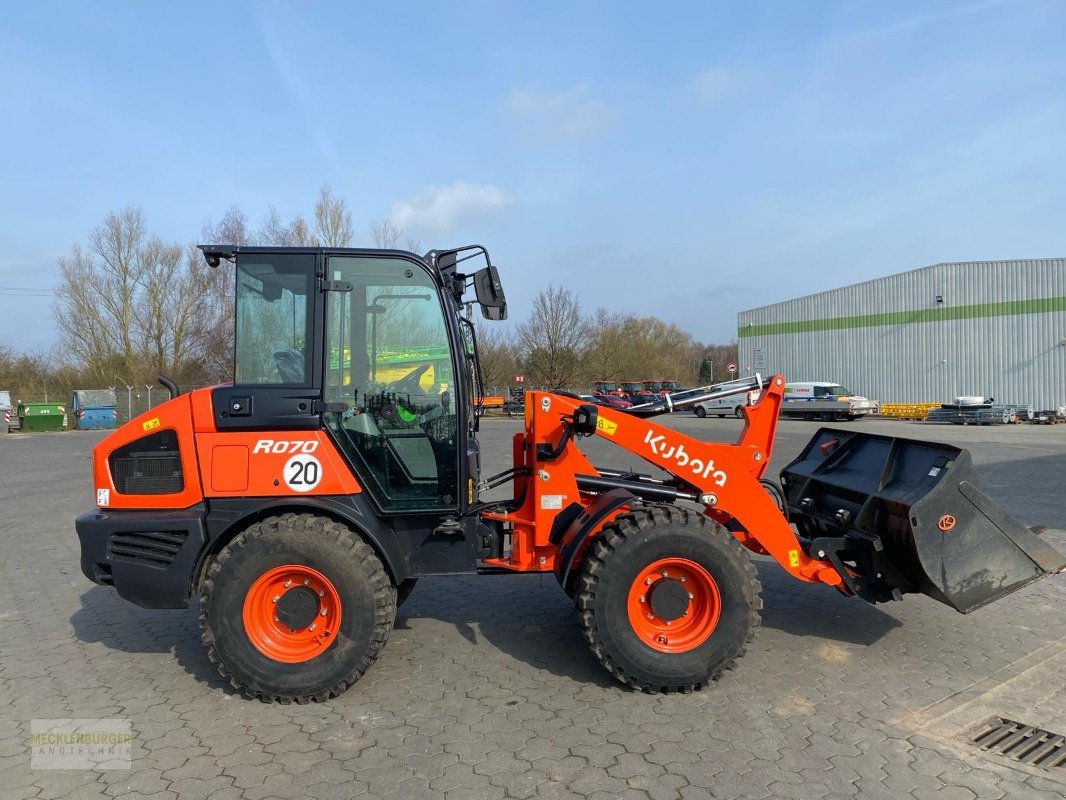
[[1019, 742]]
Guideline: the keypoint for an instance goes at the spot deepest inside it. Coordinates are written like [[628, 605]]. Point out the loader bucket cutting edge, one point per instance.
[[897, 516]]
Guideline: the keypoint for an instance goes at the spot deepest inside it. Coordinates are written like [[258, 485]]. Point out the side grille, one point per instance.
[[1023, 743], [158, 548], [150, 465]]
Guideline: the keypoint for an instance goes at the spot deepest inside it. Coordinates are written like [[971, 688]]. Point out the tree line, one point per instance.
[[130, 305], [561, 345]]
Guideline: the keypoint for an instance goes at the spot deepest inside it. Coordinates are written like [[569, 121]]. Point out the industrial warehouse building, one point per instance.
[[992, 328]]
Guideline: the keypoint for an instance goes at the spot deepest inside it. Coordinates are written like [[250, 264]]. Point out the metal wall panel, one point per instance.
[[1019, 358]]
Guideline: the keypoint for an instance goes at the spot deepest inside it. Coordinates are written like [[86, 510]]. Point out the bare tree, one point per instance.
[[301, 234], [384, 234], [130, 306], [554, 339], [609, 345], [333, 220], [231, 229], [98, 292], [275, 232], [499, 355]]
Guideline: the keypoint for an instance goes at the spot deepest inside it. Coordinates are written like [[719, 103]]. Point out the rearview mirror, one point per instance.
[[489, 292]]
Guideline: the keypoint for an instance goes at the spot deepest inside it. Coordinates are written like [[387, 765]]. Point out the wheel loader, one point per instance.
[[298, 506]]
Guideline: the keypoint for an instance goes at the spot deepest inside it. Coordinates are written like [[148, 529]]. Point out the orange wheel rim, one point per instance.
[[674, 605], [292, 613]]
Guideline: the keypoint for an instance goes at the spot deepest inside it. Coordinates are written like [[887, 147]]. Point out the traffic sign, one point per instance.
[[731, 368]]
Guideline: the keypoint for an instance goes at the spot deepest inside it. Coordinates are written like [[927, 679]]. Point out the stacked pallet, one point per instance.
[[916, 411], [1001, 414]]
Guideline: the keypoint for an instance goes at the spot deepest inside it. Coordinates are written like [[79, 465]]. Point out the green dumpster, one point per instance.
[[42, 416]]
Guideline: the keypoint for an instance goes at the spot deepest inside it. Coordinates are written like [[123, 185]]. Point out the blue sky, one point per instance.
[[686, 161]]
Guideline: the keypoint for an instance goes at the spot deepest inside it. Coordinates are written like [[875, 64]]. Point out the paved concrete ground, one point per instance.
[[486, 689]]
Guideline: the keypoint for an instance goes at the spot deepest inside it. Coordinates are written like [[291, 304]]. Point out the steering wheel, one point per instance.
[[289, 364], [409, 384]]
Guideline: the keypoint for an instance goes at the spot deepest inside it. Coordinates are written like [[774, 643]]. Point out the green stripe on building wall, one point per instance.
[[1008, 308]]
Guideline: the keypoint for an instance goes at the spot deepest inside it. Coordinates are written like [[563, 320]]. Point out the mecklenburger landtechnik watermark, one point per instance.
[[80, 744]]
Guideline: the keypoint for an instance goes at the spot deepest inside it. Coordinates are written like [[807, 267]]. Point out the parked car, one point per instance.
[[733, 405]]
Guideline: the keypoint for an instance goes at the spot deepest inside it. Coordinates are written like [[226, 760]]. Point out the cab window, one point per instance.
[[272, 310]]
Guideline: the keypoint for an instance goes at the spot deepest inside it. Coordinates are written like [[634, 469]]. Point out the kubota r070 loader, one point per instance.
[[300, 504]]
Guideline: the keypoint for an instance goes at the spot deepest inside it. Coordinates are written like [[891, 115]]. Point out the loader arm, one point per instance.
[[724, 478]]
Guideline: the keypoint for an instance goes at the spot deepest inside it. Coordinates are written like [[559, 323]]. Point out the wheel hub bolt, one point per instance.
[[660, 639], [647, 581], [666, 574], [322, 613], [321, 593], [643, 599], [307, 582], [682, 579], [691, 596], [288, 584], [312, 627], [651, 616], [277, 597]]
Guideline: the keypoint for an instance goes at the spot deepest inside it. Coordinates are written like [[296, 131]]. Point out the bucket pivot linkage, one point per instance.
[[895, 516]]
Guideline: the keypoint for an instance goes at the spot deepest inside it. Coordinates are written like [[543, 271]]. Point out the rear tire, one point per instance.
[[241, 626], [719, 618], [700, 412], [738, 412]]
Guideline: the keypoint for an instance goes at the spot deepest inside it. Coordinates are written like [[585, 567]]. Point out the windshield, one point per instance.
[[272, 300], [838, 391]]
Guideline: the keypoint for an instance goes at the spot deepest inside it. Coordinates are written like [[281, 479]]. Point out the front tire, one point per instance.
[[738, 412], [296, 608], [632, 602]]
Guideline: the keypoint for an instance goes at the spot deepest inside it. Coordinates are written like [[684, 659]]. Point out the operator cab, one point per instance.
[[372, 346]]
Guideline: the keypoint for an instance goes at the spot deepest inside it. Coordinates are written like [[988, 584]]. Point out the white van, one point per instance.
[[825, 401], [726, 406]]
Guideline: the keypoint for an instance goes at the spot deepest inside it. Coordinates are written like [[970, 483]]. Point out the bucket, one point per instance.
[[897, 516]]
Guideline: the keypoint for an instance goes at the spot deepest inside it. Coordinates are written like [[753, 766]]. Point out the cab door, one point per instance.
[[390, 365]]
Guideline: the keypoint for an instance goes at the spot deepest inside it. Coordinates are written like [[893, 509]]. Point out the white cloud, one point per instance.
[[714, 84], [437, 209], [572, 113]]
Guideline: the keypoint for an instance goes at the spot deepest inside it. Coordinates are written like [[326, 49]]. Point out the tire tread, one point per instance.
[[612, 537], [360, 552]]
